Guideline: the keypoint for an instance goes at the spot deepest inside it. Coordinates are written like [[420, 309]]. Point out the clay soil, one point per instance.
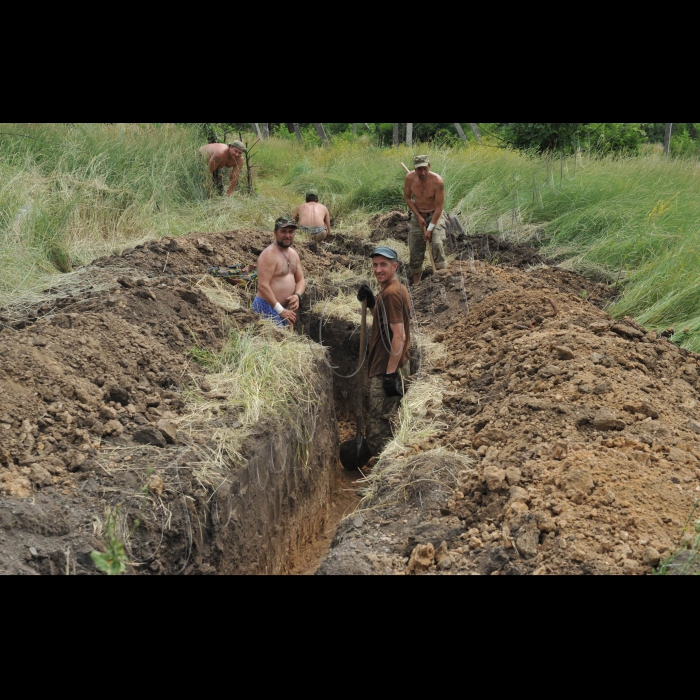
[[582, 433], [91, 400]]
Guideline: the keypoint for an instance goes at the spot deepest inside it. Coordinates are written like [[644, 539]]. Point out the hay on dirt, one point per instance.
[[261, 372]]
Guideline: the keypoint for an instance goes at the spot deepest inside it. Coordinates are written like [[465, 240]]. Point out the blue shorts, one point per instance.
[[260, 306]]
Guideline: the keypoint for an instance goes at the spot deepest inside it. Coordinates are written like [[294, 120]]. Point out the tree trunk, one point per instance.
[[667, 139], [256, 130], [476, 131], [266, 131], [354, 129], [409, 135], [297, 131], [460, 131], [321, 133], [395, 138]]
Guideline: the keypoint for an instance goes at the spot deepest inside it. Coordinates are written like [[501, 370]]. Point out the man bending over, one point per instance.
[[220, 155], [313, 218]]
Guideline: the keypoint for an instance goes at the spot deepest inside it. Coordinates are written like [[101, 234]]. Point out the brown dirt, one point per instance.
[[583, 433], [91, 400], [583, 430]]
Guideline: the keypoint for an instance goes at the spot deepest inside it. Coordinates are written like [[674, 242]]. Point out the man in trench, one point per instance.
[[221, 155], [314, 218], [424, 192], [281, 280], [389, 346]]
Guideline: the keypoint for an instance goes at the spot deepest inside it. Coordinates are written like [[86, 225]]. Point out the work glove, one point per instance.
[[365, 292], [393, 385]]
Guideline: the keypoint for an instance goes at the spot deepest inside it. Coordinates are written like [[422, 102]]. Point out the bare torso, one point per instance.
[[285, 269], [424, 191], [221, 152], [311, 214]]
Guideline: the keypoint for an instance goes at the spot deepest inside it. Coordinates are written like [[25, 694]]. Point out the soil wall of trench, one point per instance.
[[92, 382]]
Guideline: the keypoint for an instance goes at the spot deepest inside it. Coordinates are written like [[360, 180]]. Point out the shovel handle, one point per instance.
[[363, 337]]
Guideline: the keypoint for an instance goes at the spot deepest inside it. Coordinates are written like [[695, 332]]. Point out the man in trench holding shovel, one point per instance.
[[424, 192], [389, 346]]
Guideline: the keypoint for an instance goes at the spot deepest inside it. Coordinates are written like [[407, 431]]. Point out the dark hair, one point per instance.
[[312, 198]]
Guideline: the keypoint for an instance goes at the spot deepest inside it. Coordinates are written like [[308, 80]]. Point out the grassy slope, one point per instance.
[[72, 193]]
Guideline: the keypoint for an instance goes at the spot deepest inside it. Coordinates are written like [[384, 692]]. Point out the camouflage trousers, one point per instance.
[[417, 243], [382, 410]]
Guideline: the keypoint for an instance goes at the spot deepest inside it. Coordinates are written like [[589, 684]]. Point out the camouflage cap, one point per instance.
[[421, 162], [239, 145], [285, 222], [313, 191]]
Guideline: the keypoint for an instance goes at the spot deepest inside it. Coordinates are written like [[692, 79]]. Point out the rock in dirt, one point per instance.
[[605, 419], [422, 558], [168, 429], [150, 436], [494, 477]]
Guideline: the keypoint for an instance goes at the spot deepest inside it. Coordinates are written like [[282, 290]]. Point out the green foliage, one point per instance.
[[113, 560]]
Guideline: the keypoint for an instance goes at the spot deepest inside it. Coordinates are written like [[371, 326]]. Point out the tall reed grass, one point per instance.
[[73, 192]]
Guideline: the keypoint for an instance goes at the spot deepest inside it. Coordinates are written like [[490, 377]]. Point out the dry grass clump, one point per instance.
[[427, 477], [262, 372], [223, 293], [342, 306]]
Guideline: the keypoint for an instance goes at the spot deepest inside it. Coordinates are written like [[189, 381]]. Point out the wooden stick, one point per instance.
[[405, 168]]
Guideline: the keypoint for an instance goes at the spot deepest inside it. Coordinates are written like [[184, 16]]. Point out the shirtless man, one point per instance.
[[313, 218], [220, 155], [280, 277], [424, 193]]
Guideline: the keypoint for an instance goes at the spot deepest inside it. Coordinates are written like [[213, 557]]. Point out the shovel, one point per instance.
[[355, 453]]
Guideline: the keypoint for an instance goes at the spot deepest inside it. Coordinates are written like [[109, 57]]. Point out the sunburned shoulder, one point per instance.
[[438, 179]]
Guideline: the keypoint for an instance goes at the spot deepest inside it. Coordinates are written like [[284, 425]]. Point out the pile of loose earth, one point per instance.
[[96, 389], [559, 439]]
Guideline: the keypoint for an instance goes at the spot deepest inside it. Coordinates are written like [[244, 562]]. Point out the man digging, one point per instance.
[[280, 277], [220, 155], [313, 218], [389, 345], [424, 192]]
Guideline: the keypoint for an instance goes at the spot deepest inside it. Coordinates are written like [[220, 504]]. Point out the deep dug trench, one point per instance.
[[564, 441], [93, 382]]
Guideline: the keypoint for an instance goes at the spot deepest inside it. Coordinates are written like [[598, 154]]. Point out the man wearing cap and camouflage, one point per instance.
[[313, 218], [220, 155], [281, 280], [424, 192], [389, 346]]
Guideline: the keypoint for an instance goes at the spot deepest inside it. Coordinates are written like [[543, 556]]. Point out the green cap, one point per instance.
[[239, 145], [421, 162], [285, 222], [386, 252]]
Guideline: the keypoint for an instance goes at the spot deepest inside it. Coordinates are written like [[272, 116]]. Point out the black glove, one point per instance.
[[365, 292], [393, 385]]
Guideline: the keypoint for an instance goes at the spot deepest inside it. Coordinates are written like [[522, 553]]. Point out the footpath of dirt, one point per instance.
[[91, 405], [582, 431]]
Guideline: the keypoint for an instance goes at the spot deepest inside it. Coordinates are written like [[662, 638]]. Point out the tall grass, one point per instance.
[[72, 192]]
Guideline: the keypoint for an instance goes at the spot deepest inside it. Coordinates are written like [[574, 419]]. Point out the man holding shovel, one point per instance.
[[424, 192], [389, 346]]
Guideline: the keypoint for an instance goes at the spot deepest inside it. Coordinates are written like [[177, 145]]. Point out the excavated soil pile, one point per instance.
[[582, 433], [91, 400]]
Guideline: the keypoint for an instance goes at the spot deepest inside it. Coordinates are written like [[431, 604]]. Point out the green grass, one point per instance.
[[71, 193]]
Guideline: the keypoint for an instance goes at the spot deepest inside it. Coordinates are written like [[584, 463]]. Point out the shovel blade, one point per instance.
[[355, 453]]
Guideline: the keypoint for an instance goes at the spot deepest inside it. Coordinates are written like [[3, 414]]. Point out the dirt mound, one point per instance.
[[91, 387], [583, 433], [393, 224]]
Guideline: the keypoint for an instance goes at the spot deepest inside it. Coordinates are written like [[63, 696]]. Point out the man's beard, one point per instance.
[[283, 244]]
